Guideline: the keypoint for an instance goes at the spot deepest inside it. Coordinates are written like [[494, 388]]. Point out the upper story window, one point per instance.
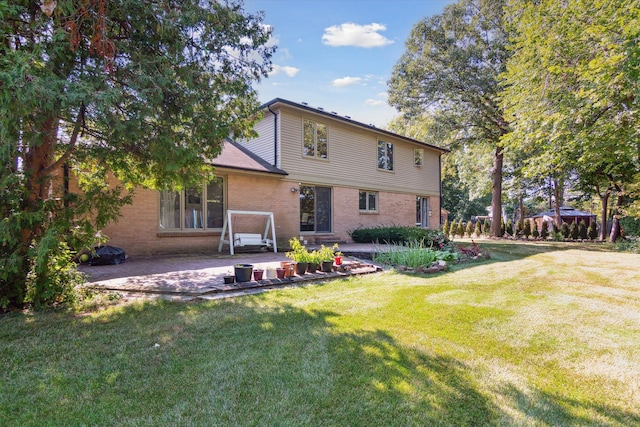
[[315, 139], [418, 156], [385, 155], [196, 208]]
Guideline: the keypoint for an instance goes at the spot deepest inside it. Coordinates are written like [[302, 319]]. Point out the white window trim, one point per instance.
[[315, 140], [183, 228], [421, 156], [393, 161], [367, 193]]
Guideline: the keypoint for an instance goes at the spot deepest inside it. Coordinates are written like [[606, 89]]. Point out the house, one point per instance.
[[320, 173], [567, 214]]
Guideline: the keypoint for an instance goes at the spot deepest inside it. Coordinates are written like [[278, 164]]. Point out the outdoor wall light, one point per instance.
[[294, 190]]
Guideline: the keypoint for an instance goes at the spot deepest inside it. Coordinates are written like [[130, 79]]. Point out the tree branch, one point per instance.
[[72, 141]]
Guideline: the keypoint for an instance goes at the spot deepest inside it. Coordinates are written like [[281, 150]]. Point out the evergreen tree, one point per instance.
[[574, 232], [544, 231], [469, 229], [565, 230], [445, 228], [146, 92], [509, 227], [503, 228], [478, 229], [486, 227], [460, 229], [582, 230], [593, 230], [526, 230]]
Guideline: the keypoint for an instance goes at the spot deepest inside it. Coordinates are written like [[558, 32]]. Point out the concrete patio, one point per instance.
[[202, 276]]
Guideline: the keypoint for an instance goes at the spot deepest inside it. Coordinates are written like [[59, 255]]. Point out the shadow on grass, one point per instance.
[[238, 362]]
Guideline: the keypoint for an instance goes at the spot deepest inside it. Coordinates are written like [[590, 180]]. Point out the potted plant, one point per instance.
[[299, 254], [229, 278], [338, 257], [314, 262], [271, 273], [243, 272], [257, 274], [327, 257]]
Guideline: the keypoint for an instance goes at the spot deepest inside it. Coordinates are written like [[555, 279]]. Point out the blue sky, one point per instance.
[[339, 54]]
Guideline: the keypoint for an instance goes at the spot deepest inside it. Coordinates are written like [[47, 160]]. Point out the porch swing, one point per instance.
[[248, 239]]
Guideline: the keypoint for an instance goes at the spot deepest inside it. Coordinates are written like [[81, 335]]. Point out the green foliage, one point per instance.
[[582, 230], [574, 231], [544, 230], [399, 235], [526, 230], [413, 254], [509, 227], [565, 231], [445, 228], [593, 231], [299, 252], [468, 231], [460, 229], [630, 226], [503, 228], [478, 229], [146, 91], [535, 233], [451, 67], [486, 227]]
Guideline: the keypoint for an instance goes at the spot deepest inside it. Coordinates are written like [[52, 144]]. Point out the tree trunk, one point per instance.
[[604, 201], [615, 221], [496, 192], [558, 194]]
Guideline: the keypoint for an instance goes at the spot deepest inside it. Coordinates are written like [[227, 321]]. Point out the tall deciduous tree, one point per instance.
[[450, 68], [144, 90], [572, 88]]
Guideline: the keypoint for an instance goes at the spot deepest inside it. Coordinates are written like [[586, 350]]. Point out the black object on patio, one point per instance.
[[108, 255]]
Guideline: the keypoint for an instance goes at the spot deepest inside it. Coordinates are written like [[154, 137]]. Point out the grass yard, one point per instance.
[[541, 334]]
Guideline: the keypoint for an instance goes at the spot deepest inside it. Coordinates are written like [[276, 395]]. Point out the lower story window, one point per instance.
[[368, 201], [196, 208], [422, 211], [315, 209]]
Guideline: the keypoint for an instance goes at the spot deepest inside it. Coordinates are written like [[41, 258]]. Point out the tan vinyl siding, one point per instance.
[[352, 158], [263, 145]]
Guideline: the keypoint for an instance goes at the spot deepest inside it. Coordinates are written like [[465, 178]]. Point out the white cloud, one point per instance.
[[373, 102], [350, 34], [346, 81], [289, 71]]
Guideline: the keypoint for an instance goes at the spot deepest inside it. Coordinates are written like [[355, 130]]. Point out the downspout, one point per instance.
[[275, 137], [440, 179]]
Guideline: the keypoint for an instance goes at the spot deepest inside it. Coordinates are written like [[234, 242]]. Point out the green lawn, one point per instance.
[[537, 335]]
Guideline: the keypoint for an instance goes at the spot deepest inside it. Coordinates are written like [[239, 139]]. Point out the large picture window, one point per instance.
[[385, 155], [315, 139], [197, 208], [315, 209]]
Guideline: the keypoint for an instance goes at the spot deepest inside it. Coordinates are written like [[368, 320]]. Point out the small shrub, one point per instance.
[[526, 229], [582, 230], [486, 227], [574, 231], [535, 233], [468, 231], [478, 229], [445, 227], [544, 231], [399, 235], [565, 230], [593, 231]]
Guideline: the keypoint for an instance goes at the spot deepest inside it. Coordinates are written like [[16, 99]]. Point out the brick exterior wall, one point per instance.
[[138, 234]]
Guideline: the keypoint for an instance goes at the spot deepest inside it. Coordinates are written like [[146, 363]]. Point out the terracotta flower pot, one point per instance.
[[257, 274], [281, 272]]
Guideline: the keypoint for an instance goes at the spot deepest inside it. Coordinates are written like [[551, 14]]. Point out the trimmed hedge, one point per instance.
[[399, 235]]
